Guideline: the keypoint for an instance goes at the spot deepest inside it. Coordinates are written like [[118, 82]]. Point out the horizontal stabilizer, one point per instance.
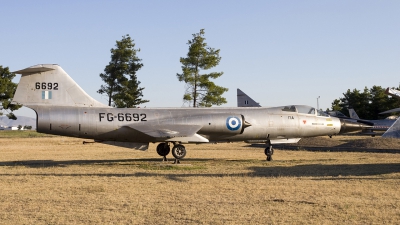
[[34, 69]]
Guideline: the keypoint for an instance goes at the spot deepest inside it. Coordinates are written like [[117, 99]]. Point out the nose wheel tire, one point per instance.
[[179, 151], [269, 151]]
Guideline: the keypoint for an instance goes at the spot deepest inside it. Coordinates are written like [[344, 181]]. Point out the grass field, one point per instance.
[[57, 180]]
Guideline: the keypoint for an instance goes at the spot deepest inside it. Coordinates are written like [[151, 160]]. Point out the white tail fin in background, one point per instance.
[[49, 84]]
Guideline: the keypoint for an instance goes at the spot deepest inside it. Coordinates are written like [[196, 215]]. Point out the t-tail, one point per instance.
[[50, 85]]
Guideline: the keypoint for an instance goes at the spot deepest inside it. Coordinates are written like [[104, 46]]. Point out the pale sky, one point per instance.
[[278, 52]]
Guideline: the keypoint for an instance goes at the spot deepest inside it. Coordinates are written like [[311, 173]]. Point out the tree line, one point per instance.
[[367, 103]]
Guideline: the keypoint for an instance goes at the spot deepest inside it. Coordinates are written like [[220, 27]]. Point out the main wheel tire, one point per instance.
[[269, 158], [179, 151], [163, 149]]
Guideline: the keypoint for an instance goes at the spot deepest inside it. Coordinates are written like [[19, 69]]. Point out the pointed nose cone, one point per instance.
[[347, 126]]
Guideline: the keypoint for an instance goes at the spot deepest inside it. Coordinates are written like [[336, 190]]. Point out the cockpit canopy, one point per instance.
[[304, 109], [336, 114]]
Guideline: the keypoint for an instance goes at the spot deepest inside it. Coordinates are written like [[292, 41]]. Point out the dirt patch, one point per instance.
[[364, 142], [377, 143], [319, 142]]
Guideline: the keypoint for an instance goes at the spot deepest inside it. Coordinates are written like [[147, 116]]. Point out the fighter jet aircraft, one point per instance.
[[382, 124], [64, 108], [394, 130], [394, 93]]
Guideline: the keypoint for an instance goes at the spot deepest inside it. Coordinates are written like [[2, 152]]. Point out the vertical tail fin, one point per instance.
[[49, 84], [353, 114]]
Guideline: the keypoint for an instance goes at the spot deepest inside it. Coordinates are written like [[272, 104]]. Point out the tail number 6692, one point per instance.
[[46, 86]]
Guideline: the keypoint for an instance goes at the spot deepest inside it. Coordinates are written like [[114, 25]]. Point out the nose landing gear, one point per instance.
[[269, 151]]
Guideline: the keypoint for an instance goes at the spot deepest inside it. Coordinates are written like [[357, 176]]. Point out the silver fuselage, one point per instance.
[[115, 124]]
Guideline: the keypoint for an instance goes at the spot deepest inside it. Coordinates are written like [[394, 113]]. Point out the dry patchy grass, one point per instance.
[[57, 180]]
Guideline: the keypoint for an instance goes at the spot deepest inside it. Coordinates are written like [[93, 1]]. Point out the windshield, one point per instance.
[[291, 108], [305, 109], [300, 109]]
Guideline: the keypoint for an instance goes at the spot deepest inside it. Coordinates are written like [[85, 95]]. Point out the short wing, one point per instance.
[[391, 111], [393, 131], [276, 141], [171, 132]]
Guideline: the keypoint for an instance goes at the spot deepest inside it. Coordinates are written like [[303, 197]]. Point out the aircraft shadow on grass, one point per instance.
[[339, 148], [333, 171]]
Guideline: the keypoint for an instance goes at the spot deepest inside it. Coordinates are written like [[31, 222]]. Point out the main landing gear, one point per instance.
[[178, 151], [269, 151]]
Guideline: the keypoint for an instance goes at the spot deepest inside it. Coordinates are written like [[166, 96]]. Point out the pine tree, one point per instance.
[[7, 90], [200, 90], [121, 84]]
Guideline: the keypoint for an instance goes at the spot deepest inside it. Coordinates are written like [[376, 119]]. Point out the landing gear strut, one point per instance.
[[163, 150], [178, 151], [269, 151]]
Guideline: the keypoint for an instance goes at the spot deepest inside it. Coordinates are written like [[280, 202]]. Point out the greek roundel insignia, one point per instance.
[[233, 123]]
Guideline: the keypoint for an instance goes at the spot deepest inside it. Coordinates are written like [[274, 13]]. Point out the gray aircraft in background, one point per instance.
[[373, 125], [64, 108], [394, 93], [243, 100], [394, 130], [377, 125]]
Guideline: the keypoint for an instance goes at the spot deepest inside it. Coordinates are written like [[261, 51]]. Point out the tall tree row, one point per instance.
[[121, 84], [7, 90], [367, 103], [201, 91]]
